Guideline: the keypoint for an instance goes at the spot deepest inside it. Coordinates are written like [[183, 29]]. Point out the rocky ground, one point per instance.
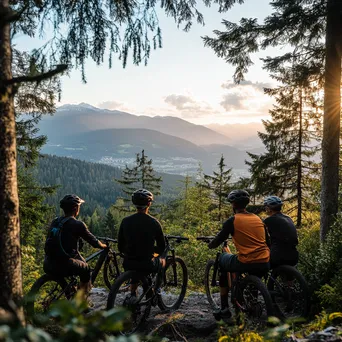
[[194, 322], [194, 318]]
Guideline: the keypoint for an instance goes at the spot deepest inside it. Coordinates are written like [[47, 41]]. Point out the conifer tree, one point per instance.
[[111, 225], [219, 185], [31, 103], [139, 176], [292, 141], [313, 30]]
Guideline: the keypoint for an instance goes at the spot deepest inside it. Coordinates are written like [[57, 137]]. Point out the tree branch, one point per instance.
[[40, 77]]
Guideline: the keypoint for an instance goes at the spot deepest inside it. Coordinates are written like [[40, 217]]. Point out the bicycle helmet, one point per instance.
[[69, 201], [141, 198], [238, 196], [273, 202]]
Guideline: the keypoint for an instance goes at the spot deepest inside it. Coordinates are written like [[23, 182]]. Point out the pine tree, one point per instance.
[[313, 29], [292, 141], [219, 184], [139, 176], [111, 225], [82, 29], [31, 103]]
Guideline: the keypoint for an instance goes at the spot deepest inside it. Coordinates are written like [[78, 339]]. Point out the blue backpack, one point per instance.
[[53, 245]]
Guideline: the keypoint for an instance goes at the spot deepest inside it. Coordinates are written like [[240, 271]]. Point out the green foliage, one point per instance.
[[30, 268], [321, 263], [321, 321], [91, 181], [71, 325]]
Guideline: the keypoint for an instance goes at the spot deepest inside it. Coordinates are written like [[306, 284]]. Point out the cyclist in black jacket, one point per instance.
[[67, 261], [283, 233], [140, 236]]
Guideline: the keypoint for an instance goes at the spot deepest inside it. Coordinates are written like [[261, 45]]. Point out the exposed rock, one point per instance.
[[194, 318]]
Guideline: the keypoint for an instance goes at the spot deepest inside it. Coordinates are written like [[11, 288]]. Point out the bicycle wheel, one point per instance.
[[174, 284], [45, 291], [289, 291], [139, 307], [110, 271], [252, 298], [212, 287]]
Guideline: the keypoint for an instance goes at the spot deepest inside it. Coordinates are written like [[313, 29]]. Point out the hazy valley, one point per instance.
[[175, 145]]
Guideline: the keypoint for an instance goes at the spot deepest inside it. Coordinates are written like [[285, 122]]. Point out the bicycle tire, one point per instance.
[[246, 306], [115, 292], [39, 283], [292, 273], [109, 272], [162, 302], [208, 285]]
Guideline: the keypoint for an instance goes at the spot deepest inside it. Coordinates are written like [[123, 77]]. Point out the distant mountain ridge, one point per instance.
[[113, 137], [71, 119], [243, 136]]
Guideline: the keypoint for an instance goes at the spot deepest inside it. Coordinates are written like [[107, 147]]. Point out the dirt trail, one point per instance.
[[194, 318]]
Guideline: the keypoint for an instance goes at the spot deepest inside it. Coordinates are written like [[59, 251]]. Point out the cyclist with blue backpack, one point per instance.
[[62, 257]]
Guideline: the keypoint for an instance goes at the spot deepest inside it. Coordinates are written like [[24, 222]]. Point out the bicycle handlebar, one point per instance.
[[205, 238], [106, 239], [180, 238]]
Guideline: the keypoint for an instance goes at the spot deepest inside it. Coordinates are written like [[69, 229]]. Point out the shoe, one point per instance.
[[223, 314], [130, 301]]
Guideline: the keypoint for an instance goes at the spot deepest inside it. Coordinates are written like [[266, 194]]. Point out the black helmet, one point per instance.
[[141, 198], [238, 196], [273, 202], [69, 201]]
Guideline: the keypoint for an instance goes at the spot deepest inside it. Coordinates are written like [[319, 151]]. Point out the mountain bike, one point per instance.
[[289, 291], [165, 288], [249, 295], [50, 288]]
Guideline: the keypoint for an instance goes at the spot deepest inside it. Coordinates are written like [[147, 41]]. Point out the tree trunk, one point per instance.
[[331, 120], [10, 260], [299, 169]]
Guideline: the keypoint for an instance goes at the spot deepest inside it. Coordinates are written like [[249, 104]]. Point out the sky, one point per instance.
[[183, 79]]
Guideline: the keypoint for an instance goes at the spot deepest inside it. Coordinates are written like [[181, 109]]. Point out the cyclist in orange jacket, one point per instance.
[[250, 238]]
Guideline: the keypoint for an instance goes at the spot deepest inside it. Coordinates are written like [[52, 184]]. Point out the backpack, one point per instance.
[[53, 245]]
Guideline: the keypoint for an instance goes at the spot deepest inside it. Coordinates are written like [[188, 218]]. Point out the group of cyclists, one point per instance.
[[260, 245]]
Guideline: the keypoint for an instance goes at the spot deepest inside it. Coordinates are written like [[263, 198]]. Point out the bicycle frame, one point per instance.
[[172, 257], [102, 254], [168, 248]]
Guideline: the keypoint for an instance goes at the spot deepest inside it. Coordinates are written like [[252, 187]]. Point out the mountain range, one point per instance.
[[80, 118], [113, 137]]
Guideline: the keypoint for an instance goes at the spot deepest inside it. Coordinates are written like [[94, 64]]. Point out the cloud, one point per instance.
[[247, 95], [112, 105], [189, 107], [232, 101], [257, 85], [178, 101]]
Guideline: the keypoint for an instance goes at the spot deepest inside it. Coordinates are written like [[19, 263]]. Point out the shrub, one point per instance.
[[30, 269], [321, 264], [73, 326]]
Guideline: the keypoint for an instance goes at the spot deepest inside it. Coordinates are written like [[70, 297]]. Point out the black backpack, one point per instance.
[[53, 245]]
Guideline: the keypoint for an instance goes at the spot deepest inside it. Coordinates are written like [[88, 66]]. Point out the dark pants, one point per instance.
[[145, 267], [148, 266], [285, 257], [68, 267], [231, 263]]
